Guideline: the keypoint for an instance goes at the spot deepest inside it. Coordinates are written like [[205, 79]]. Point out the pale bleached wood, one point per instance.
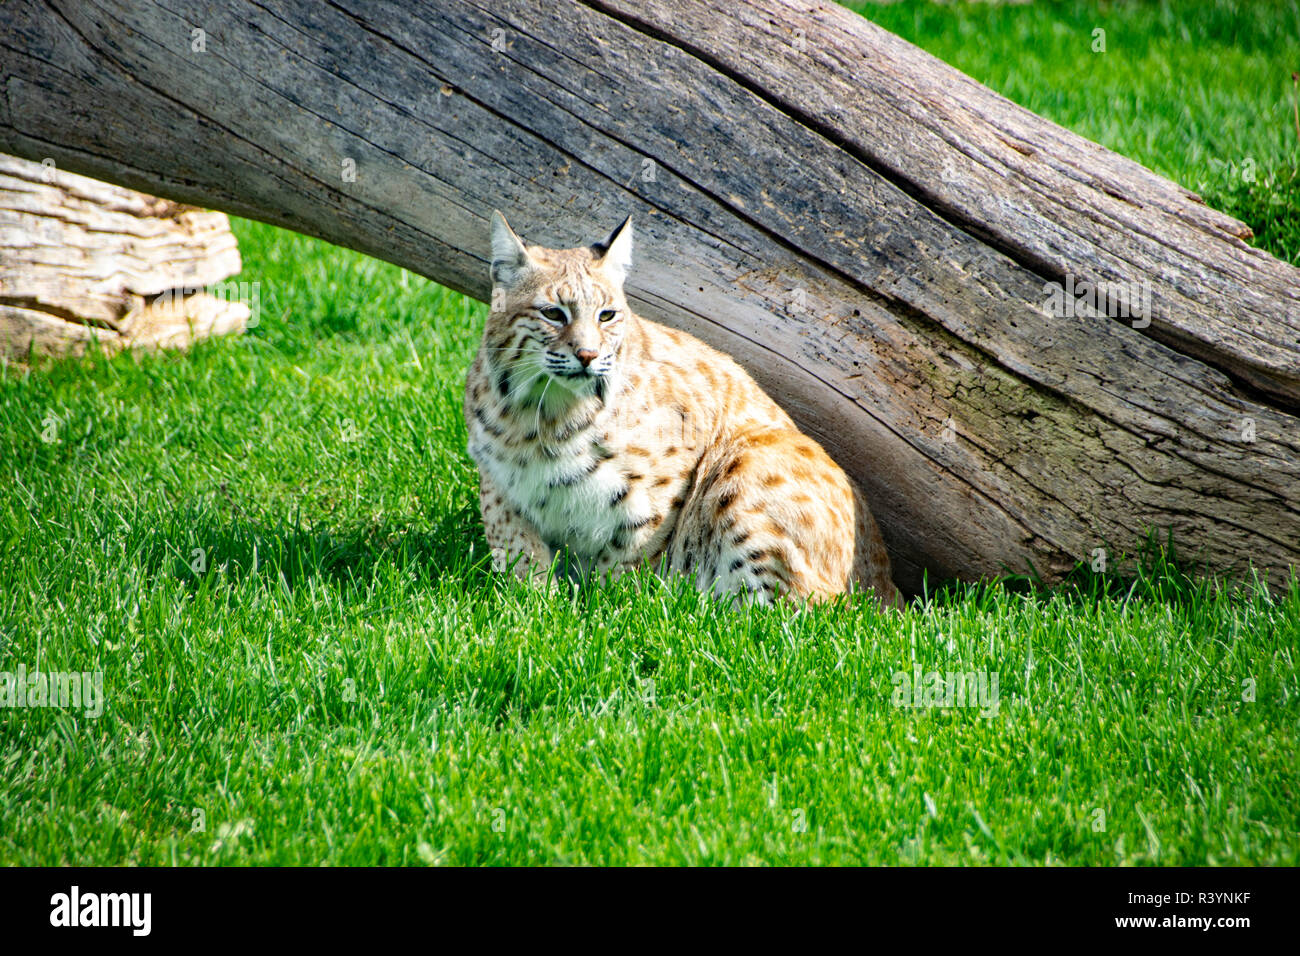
[[866, 229], [174, 323], [84, 260]]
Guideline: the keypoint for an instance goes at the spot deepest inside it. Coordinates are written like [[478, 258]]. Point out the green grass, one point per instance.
[[347, 683], [1198, 90]]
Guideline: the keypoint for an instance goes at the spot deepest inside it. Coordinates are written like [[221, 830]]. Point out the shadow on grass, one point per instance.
[[1156, 574], [290, 554], [363, 557]]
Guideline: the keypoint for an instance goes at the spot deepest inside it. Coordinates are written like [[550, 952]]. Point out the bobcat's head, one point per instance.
[[558, 315]]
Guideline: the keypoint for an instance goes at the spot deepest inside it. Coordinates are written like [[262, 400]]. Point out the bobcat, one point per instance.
[[611, 441]]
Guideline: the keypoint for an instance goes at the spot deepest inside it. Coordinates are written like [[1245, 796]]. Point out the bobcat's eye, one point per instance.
[[554, 314], [609, 315]]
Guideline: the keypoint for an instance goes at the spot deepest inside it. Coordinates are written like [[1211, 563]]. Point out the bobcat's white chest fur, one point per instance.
[[572, 476]]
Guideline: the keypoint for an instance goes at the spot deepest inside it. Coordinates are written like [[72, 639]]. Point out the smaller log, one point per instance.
[[83, 261]]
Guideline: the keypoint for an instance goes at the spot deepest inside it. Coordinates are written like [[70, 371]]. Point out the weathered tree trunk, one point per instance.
[[84, 261], [871, 232]]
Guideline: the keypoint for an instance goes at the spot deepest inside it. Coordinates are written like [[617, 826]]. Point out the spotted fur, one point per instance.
[[614, 441]]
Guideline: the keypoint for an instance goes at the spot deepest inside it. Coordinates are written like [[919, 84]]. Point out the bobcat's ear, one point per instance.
[[615, 253], [509, 257]]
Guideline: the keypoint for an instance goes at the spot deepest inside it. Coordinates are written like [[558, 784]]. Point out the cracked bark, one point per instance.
[[866, 229]]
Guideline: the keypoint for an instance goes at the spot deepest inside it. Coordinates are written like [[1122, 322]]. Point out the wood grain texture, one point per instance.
[[869, 231], [82, 261]]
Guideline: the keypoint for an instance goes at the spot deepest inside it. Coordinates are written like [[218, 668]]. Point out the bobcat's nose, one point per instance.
[[586, 356]]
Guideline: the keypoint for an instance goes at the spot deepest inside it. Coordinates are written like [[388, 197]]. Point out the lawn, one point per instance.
[[270, 549]]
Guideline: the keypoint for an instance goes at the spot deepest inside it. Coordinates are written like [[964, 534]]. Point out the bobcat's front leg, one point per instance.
[[514, 542]]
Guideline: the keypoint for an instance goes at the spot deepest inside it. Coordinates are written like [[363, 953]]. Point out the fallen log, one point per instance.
[[1029, 349], [82, 261]]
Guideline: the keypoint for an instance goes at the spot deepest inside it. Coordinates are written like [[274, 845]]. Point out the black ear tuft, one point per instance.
[[614, 255], [599, 249]]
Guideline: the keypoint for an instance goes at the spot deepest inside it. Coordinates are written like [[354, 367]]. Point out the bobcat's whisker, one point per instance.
[[537, 426], [523, 388]]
